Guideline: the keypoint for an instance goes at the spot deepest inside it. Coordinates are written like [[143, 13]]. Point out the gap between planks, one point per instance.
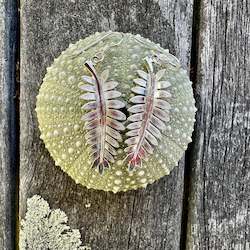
[[190, 150]]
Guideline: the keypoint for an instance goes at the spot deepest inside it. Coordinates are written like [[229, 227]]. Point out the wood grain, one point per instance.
[[219, 211], [8, 150], [144, 219]]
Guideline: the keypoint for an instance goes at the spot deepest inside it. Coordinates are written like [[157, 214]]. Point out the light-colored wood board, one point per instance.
[[219, 210], [8, 157], [143, 219]]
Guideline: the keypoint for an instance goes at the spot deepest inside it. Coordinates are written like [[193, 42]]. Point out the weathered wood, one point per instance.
[[219, 211], [144, 219], [8, 157]]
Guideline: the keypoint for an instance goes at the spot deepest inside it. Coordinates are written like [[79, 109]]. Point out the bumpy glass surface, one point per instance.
[[59, 110]]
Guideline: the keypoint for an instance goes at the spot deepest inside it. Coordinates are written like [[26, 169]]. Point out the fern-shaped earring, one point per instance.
[[103, 119], [149, 114]]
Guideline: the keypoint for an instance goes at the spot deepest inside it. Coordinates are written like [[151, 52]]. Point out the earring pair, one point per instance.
[[104, 120]]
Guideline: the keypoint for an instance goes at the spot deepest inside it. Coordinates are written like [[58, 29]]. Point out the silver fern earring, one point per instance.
[[87, 95], [103, 120], [150, 114]]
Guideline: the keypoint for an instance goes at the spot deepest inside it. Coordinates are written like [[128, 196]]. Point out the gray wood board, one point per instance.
[[8, 157], [143, 219], [219, 216]]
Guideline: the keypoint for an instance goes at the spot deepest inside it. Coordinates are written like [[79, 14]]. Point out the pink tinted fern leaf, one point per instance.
[[150, 113], [103, 119]]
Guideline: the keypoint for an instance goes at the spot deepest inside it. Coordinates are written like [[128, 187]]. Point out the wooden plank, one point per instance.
[[219, 211], [144, 219], [8, 146]]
